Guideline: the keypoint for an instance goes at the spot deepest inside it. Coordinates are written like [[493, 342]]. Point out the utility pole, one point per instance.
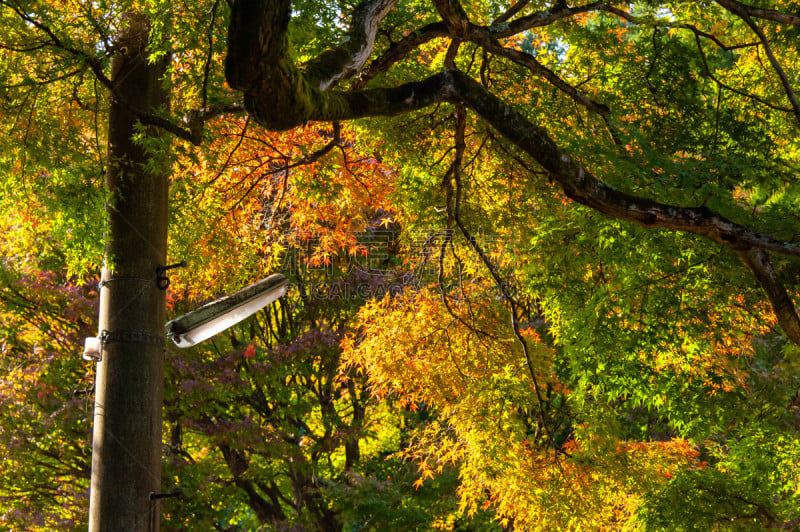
[[126, 447]]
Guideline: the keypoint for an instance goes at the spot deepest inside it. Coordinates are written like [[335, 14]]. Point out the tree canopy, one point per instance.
[[544, 257]]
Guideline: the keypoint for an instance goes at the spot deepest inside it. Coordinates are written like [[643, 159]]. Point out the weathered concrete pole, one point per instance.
[[126, 449]]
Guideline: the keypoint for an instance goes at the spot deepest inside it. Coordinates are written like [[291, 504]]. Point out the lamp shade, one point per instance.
[[215, 317]]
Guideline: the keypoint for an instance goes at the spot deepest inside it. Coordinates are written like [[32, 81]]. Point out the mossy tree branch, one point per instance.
[[279, 96]]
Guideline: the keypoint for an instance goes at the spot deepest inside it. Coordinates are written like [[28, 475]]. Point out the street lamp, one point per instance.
[[126, 446], [214, 317]]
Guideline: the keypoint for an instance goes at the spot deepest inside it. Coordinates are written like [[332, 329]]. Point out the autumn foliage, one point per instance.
[[543, 261]]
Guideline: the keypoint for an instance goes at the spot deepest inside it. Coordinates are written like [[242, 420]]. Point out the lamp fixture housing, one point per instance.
[[212, 318]]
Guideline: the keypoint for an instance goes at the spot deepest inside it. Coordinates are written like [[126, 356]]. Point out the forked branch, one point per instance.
[[351, 55], [270, 81]]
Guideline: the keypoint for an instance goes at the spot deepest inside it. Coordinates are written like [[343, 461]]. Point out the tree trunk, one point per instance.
[[126, 450]]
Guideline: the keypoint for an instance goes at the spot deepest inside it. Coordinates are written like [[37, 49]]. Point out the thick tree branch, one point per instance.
[[454, 17], [275, 83], [767, 14], [584, 188], [758, 262], [580, 185]]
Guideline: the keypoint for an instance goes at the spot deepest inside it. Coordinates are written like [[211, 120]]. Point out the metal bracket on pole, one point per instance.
[[136, 337], [95, 346], [162, 281]]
